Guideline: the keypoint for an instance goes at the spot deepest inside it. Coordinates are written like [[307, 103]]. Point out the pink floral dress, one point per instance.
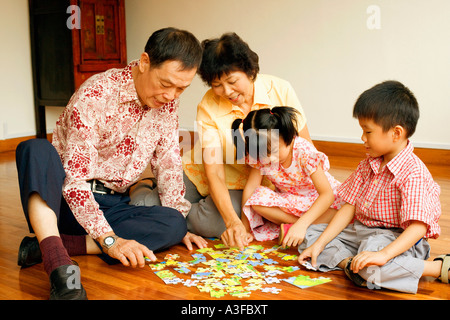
[[294, 190]]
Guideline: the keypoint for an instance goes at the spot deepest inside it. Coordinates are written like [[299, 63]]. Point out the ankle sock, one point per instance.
[[54, 254], [75, 245]]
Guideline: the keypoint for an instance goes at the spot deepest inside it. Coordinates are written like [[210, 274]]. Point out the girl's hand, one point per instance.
[[294, 236]]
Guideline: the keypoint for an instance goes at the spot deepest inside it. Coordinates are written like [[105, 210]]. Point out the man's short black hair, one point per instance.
[[174, 44], [227, 54], [389, 104]]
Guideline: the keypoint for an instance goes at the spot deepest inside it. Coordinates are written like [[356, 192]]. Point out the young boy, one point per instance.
[[392, 199]]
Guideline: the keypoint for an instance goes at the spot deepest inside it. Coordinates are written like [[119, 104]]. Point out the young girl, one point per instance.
[[305, 193]]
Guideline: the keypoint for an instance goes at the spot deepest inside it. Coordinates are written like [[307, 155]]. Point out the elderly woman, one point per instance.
[[214, 180]]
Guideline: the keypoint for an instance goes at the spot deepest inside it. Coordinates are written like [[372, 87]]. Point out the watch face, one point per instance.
[[109, 241]]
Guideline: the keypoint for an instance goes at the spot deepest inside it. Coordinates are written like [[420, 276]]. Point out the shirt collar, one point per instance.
[[127, 90], [395, 165], [261, 93]]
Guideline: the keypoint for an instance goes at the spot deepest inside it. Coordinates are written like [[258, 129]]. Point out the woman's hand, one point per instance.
[[236, 235], [190, 238]]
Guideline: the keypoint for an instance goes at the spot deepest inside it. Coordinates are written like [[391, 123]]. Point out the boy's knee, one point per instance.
[[377, 242]]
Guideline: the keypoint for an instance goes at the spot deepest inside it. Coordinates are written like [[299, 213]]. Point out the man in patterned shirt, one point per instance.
[[392, 199], [74, 191]]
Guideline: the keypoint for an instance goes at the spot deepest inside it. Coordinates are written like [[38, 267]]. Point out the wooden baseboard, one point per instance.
[[11, 144], [439, 157]]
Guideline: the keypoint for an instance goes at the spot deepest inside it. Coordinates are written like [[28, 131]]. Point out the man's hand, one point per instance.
[[190, 238], [130, 253], [236, 235]]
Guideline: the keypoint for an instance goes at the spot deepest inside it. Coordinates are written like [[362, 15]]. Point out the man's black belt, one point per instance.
[[99, 187]]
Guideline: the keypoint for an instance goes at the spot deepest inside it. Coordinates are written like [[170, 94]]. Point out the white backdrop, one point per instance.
[[330, 51]]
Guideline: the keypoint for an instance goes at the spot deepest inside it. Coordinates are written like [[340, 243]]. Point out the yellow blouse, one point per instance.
[[214, 118]]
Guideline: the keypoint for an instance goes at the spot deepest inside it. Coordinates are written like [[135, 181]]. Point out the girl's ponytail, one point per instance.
[[237, 139], [287, 118]]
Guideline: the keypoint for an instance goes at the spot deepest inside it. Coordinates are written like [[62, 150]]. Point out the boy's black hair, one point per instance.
[[174, 44], [279, 121], [389, 104], [227, 54]]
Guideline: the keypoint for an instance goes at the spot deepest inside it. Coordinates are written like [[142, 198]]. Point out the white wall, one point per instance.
[[323, 47], [16, 84]]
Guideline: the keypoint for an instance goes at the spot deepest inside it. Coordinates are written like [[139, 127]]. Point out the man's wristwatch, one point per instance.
[[109, 241]]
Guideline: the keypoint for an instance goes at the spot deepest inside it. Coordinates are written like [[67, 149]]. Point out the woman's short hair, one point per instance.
[[227, 54], [174, 44]]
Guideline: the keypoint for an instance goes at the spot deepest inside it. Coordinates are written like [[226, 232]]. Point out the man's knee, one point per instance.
[[176, 226], [36, 153], [33, 146]]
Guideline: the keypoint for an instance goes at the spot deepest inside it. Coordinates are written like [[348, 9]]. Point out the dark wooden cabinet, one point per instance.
[[72, 40]]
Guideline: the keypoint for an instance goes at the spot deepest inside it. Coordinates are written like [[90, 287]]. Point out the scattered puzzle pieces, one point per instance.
[[182, 270], [222, 271], [308, 266], [304, 282], [217, 293], [271, 290], [270, 280], [171, 256]]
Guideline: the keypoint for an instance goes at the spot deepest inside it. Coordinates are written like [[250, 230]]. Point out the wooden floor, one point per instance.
[[103, 282]]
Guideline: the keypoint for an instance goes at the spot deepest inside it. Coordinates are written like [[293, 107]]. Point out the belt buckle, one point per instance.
[[94, 188]]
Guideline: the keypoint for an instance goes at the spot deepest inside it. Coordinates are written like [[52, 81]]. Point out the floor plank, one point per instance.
[[103, 282]]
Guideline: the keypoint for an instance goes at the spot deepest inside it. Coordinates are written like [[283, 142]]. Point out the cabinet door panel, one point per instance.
[[111, 40], [91, 48]]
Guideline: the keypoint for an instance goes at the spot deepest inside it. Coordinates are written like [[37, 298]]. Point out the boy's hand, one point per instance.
[[368, 258], [312, 253]]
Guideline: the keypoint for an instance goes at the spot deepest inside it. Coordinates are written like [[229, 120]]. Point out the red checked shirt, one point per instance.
[[401, 192], [105, 133]]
